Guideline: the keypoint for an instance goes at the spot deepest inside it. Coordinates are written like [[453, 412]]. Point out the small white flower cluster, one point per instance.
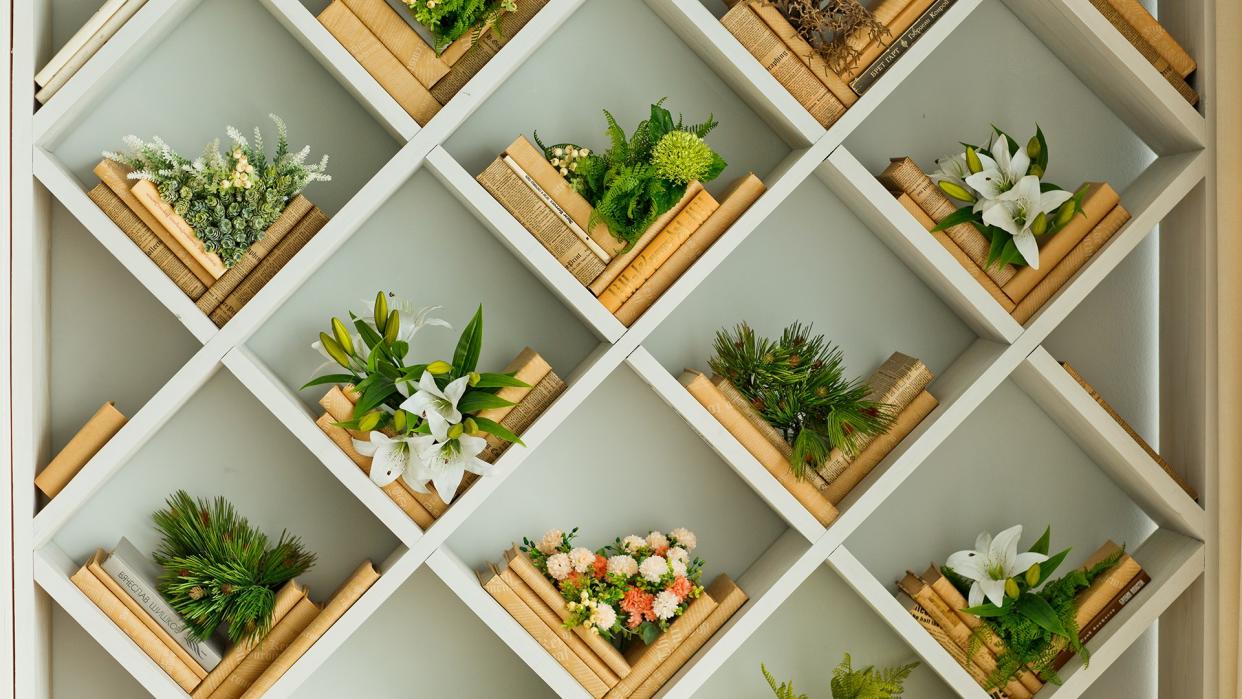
[[243, 172], [565, 158]]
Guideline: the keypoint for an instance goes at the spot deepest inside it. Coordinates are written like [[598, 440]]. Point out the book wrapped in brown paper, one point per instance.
[[272, 263], [623, 260], [353, 588], [1147, 50], [904, 175], [286, 598], [933, 629], [737, 199], [1163, 44], [273, 644], [379, 62], [102, 426], [400, 39], [526, 570], [826, 76], [146, 240], [527, 411], [892, 53], [114, 609], [706, 393], [1120, 600], [1177, 478], [644, 659], [530, 368], [482, 50], [880, 447], [149, 197], [770, 433], [882, 11], [543, 223], [295, 210], [658, 250], [1060, 275], [789, 70], [910, 11]]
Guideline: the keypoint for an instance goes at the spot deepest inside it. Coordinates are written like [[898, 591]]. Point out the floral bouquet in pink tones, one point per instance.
[[632, 588]]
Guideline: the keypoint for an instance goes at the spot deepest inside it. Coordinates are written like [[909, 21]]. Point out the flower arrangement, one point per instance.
[[218, 569], [827, 24], [632, 588], [797, 383], [1005, 197], [231, 198], [422, 419], [448, 20], [1030, 614], [639, 178], [848, 683]]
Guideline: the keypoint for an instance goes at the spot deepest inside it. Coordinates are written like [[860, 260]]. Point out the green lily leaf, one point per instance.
[[718, 165], [329, 378], [1038, 610], [962, 215], [1044, 542], [1048, 567], [368, 333], [495, 428], [491, 380], [1043, 148], [474, 401], [986, 610], [374, 395], [466, 356]]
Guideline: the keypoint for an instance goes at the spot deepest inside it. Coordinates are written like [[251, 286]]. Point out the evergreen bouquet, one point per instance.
[[632, 588], [637, 179], [848, 683], [1031, 615], [421, 418], [229, 198], [219, 569], [448, 20], [1004, 195], [797, 383]]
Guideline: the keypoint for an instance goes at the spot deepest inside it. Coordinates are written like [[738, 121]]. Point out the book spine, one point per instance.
[[744, 192], [295, 210], [1163, 43], [1100, 200], [89, 49], [546, 226], [743, 406], [556, 192], [529, 367], [941, 636], [1114, 606], [657, 252], [77, 41], [482, 50], [379, 62], [114, 609], [267, 268], [880, 447], [1147, 50], [556, 209], [273, 644], [286, 598], [400, 39], [147, 195], [500, 591], [102, 426], [766, 46], [354, 587], [828, 109], [917, 19], [521, 416], [147, 241], [644, 659], [623, 260], [1060, 275], [768, 456], [884, 12]]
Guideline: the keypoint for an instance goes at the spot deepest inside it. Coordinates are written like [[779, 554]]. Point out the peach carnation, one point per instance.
[[550, 542], [681, 587], [637, 604], [600, 566]]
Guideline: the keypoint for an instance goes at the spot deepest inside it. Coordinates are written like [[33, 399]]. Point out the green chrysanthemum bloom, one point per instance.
[[680, 156]]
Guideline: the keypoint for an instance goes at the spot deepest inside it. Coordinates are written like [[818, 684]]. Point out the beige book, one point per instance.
[[880, 447], [1060, 275], [1145, 48], [499, 589], [839, 90], [393, 490], [770, 433], [941, 636], [89, 49], [542, 222], [1137, 16], [658, 250], [295, 210], [528, 367], [912, 10], [482, 50], [644, 659], [350, 591], [758, 38], [904, 175], [1100, 200], [623, 260], [79, 39], [96, 567], [400, 39], [524, 414], [286, 598], [147, 241], [1095, 598], [962, 258], [526, 570], [1155, 455], [272, 263], [102, 426], [729, 598], [547, 200], [706, 393], [273, 644], [574, 207], [379, 62], [144, 638], [116, 177], [884, 12], [148, 196]]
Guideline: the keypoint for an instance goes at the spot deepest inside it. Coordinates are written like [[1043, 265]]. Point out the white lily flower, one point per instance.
[[443, 464], [1019, 208], [1000, 174], [992, 563], [437, 407], [391, 457], [953, 169]]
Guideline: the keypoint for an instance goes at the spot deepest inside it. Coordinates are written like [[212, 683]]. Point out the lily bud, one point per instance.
[[475, 378], [1011, 588], [369, 421], [1032, 575], [1040, 225], [334, 350], [973, 163], [392, 327], [342, 336], [472, 427], [1033, 148], [1035, 170], [398, 421], [439, 367], [456, 431], [956, 191], [1066, 213], [381, 309]]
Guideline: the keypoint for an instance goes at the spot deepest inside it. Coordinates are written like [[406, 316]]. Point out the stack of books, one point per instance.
[[1152, 41], [826, 93], [938, 607], [626, 282], [1021, 291], [219, 292], [425, 508], [102, 426], [123, 585], [401, 60], [900, 382], [83, 45], [637, 671]]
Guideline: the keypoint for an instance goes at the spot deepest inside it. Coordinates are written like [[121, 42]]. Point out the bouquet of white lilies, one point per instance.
[[1005, 196]]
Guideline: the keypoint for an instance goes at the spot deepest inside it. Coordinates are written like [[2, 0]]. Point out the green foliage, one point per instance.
[[229, 199], [218, 569], [848, 683], [784, 690], [797, 383], [448, 20]]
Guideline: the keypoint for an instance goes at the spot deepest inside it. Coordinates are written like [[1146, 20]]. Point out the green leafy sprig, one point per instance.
[[848, 683], [449, 20]]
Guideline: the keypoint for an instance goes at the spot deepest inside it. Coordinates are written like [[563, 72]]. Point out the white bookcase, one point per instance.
[[1015, 439]]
